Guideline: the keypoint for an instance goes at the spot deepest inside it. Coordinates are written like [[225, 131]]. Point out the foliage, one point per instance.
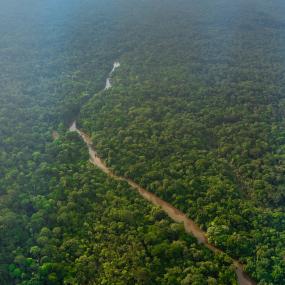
[[61, 220], [196, 115]]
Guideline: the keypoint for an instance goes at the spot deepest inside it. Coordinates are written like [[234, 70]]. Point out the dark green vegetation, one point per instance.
[[83, 228], [61, 220], [196, 115]]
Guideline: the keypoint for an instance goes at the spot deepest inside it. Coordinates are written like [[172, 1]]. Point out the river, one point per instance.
[[108, 80], [175, 214]]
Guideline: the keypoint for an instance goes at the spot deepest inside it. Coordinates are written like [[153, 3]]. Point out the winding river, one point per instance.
[[175, 214]]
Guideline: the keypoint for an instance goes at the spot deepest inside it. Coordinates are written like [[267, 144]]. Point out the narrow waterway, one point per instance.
[[108, 80], [175, 214]]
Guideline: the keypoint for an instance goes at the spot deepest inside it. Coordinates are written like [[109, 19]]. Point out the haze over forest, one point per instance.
[[120, 118]]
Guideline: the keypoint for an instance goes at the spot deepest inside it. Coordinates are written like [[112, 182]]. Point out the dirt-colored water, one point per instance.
[[175, 214]]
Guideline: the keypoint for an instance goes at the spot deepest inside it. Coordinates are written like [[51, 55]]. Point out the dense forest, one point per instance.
[[195, 115], [83, 228]]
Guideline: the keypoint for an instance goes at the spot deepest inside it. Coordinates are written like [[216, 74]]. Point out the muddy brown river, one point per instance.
[[175, 214]]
